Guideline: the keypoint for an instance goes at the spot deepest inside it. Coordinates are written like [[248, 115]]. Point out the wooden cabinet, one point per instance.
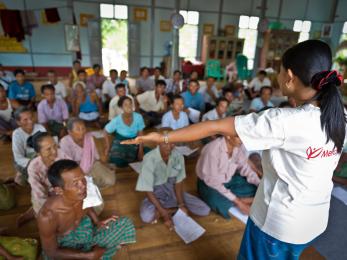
[[221, 48]]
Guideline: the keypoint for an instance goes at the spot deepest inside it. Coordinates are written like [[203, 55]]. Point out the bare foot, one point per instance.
[[25, 217]]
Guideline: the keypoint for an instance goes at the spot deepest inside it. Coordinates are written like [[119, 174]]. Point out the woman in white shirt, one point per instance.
[[301, 147]]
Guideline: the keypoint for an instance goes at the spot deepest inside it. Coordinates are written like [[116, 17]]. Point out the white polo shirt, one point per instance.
[[293, 199]]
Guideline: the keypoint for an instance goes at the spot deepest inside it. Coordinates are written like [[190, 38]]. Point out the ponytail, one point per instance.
[[333, 118]]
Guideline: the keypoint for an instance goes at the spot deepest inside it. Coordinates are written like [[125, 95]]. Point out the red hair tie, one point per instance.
[[325, 80]]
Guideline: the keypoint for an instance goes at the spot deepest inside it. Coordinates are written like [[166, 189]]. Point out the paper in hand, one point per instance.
[[185, 150], [98, 134], [94, 197], [238, 214], [186, 227], [194, 115]]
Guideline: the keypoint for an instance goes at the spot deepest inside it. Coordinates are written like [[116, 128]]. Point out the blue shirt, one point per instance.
[[257, 104], [195, 101], [22, 92], [88, 106], [117, 125], [168, 120]]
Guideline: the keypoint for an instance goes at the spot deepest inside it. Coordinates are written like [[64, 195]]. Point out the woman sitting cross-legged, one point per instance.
[[124, 126], [80, 147], [86, 106], [225, 179]]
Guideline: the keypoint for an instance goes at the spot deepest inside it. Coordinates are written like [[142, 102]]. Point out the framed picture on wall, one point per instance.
[[84, 19], [326, 30], [72, 37], [165, 26], [208, 29], [140, 14], [229, 30]]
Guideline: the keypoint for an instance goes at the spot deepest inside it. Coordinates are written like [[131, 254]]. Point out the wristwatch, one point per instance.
[[166, 137]]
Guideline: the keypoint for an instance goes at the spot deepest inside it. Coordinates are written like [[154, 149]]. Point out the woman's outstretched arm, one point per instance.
[[191, 133]]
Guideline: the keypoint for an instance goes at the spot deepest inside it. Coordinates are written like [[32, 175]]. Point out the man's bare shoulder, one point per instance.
[[50, 208]]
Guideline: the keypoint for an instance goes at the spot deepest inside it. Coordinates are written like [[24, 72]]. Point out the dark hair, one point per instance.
[[177, 71], [160, 82], [47, 86], [19, 111], [1, 86], [221, 99], [284, 104], [143, 68], [226, 90], [57, 169], [262, 72], [120, 85], [76, 61], [81, 71], [194, 81], [122, 99], [34, 141], [210, 77], [96, 66], [311, 62], [265, 88], [157, 68], [18, 71], [113, 70], [174, 97], [123, 71]]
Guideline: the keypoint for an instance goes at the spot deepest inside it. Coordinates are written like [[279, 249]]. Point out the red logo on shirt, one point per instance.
[[319, 152]]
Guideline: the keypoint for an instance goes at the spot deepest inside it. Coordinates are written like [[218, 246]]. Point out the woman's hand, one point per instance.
[[149, 138]]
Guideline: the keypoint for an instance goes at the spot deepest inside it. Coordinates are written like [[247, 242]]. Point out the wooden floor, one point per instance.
[[221, 240]]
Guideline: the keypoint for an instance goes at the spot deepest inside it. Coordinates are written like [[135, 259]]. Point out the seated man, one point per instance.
[[153, 103], [67, 231], [157, 75], [95, 81], [22, 153], [225, 179], [173, 86], [261, 80], [262, 102], [210, 93], [21, 92], [219, 112], [109, 87], [52, 112], [144, 82], [114, 109], [60, 90], [175, 118], [162, 175], [123, 79], [73, 75], [80, 147], [192, 98]]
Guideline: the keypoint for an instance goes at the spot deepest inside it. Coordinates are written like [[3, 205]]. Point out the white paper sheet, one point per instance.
[[158, 126], [340, 194], [194, 115], [136, 166], [94, 197], [186, 227], [98, 134], [238, 214], [185, 150]]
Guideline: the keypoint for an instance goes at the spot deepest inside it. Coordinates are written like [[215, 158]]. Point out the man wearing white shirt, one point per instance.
[[60, 89], [258, 82], [219, 112], [109, 86], [157, 75], [114, 109]]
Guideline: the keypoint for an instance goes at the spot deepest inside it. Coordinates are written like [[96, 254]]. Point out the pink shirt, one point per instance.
[[215, 167], [38, 179]]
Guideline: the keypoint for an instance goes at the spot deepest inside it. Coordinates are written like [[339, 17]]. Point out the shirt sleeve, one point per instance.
[[19, 152], [145, 182], [111, 110], [245, 169], [185, 119], [253, 105], [39, 192], [140, 123], [105, 88], [261, 131], [165, 122], [210, 168], [41, 116], [63, 90], [65, 110], [111, 127], [32, 93], [182, 169], [11, 92], [142, 97]]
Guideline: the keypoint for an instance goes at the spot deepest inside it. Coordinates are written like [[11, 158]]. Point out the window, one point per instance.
[[188, 35], [114, 26], [304, 28], [114, 11], [248, 30], [344, 33]]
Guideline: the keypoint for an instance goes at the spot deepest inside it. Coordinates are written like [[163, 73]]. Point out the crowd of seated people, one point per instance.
[[57, 154]]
